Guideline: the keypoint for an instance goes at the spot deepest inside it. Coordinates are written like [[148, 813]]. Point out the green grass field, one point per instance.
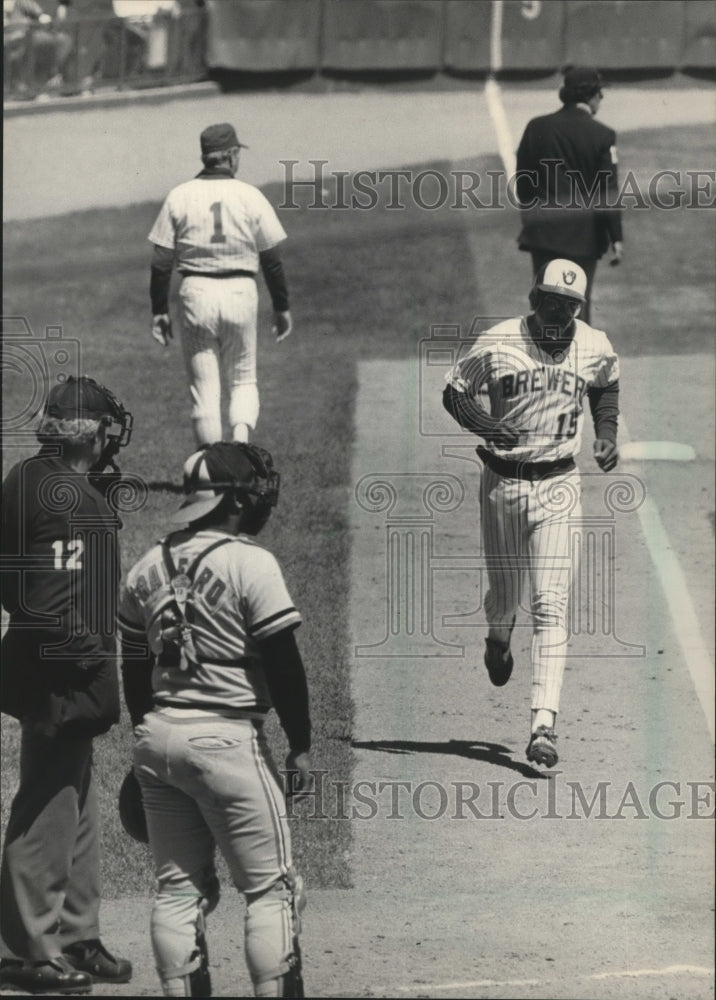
[[364, 284]]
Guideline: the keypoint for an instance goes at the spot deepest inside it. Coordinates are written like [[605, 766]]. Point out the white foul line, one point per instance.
[[492, 92], [673, 581], [686, 622], [669, 970]]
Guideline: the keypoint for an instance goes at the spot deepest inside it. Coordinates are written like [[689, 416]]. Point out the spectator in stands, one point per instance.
[[27, 46], [138, 17]]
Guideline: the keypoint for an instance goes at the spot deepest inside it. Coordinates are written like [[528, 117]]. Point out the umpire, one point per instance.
[[60, 680], [567, 179]]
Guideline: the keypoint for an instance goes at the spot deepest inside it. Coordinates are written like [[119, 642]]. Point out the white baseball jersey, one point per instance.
[[238, 597], [513, 378], [215, 224]]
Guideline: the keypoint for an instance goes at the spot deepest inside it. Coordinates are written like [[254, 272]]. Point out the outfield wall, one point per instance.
[[455, 35], [348, 37]]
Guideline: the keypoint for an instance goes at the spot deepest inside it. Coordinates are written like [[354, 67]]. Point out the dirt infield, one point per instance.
[[537, 887]]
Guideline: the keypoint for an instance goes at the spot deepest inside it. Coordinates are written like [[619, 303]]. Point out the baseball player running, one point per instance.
[[208, 647], [521, 388], [217, 230]]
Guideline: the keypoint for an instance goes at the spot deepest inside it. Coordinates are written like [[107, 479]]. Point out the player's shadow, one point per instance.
[[490, 753]]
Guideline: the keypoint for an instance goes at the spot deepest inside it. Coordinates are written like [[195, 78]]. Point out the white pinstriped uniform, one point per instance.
[[526, 524], [216, 225], [205, 769]]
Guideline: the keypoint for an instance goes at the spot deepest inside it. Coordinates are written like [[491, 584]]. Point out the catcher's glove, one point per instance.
[[131, 809]]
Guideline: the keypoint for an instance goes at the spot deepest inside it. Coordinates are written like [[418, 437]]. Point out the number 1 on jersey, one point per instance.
[[218, 234]]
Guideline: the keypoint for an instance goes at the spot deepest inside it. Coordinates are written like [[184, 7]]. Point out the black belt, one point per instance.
[[209, 706], [525, 470], [219, 274]]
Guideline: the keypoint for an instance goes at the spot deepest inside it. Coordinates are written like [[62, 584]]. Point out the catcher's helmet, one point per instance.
[[560, 277], [244, 471], [131, 809]]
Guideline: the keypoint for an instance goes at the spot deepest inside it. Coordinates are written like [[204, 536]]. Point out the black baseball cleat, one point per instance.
[[498, 659], [542, 747], [55, 977], [499, 662], [91, 957]]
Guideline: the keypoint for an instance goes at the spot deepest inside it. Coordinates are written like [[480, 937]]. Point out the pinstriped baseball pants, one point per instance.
[[526, 538], [218, 324]]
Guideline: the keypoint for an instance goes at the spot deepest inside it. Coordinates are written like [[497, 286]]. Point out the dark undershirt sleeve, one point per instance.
[[604, 404], [137, 682], [288, 688], [160, 279], [272, 268]]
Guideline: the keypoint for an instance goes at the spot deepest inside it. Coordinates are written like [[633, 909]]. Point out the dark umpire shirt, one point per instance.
[[59, 585], [565, 205]]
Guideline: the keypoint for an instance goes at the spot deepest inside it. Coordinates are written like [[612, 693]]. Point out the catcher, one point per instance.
[[208, 647]]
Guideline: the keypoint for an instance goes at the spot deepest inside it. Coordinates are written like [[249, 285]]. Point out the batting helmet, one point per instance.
[[561, 277], [244, 471], [131, 809]]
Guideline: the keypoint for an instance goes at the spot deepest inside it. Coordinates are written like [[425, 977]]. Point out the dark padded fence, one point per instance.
[[613, 34], [353, 36], [699, 48], [263, 35], [382, 35], [531, 37]]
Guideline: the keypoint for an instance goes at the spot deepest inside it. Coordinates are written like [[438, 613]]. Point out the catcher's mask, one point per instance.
[[243, 471], [84, 398], [131, 809]]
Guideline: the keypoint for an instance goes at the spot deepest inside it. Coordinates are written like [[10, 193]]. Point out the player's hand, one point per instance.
[[162, 329], [282, 325], [298, 774], [606, 454], [618, 249], [504, 435]]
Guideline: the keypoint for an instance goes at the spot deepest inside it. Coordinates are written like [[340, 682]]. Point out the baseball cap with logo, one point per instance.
[[213, 471], [562, 277], [216, 138]]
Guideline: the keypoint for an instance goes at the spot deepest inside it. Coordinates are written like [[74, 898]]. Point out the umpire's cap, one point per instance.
[[131, 809], [580, 83], [562, 277], [214, 470]]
